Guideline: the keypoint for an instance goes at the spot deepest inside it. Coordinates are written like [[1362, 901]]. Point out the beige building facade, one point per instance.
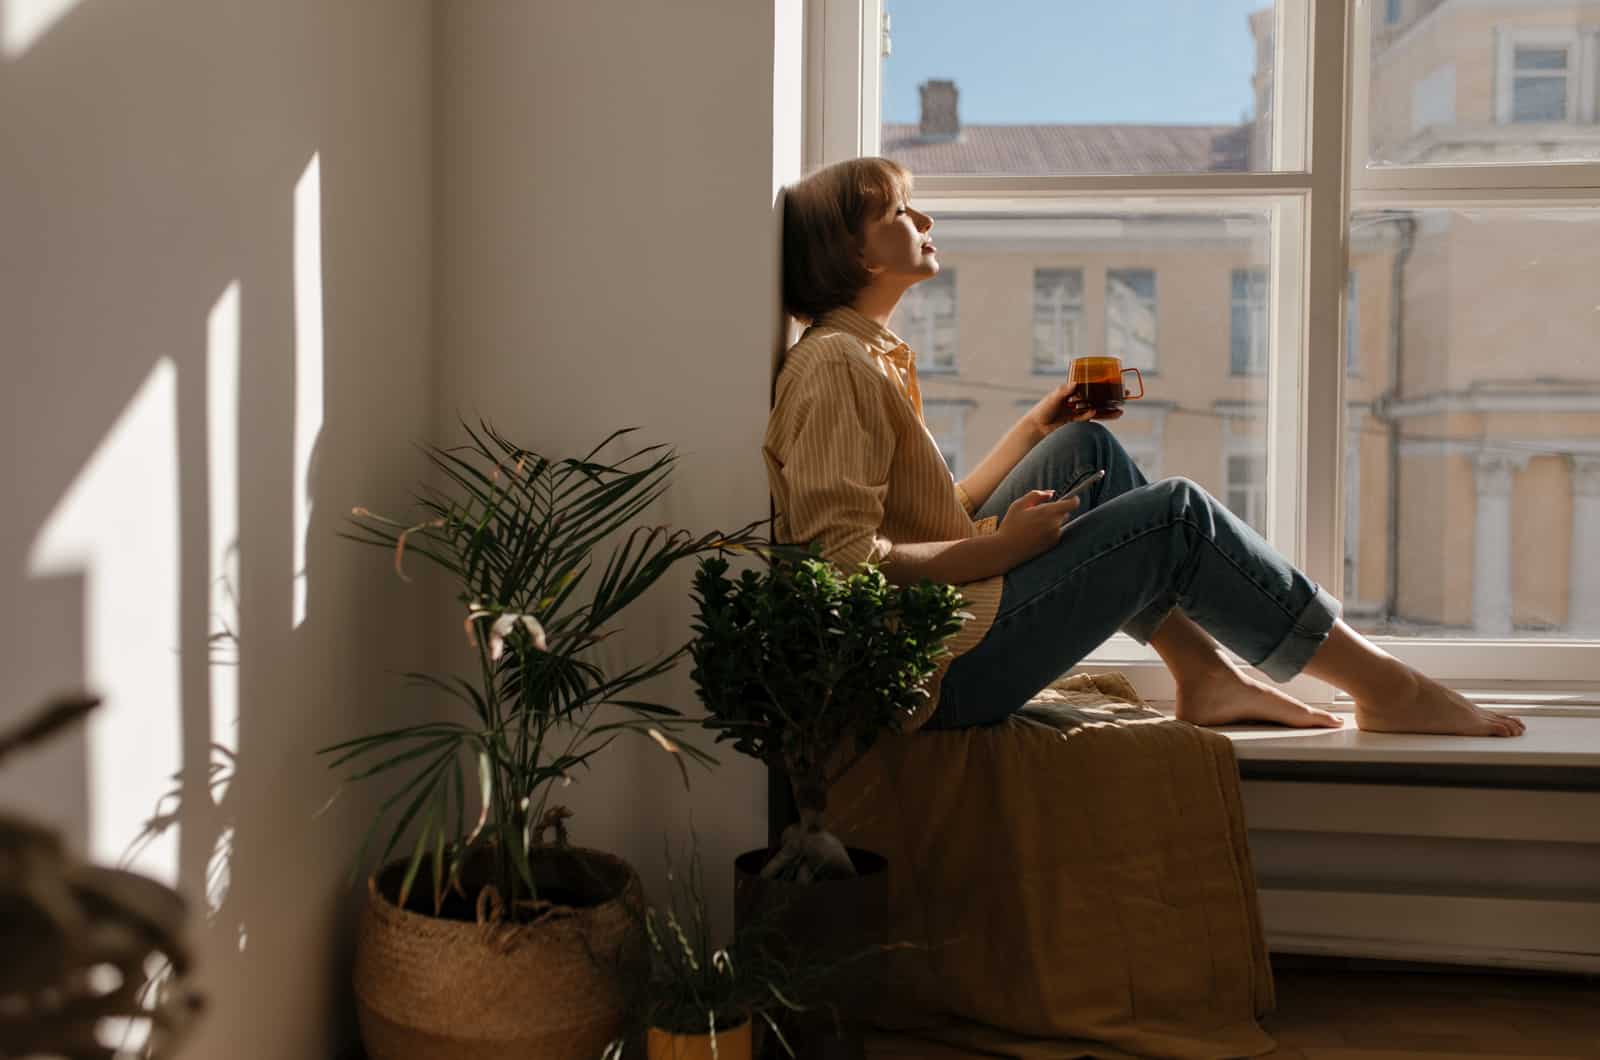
[[1472, 444]]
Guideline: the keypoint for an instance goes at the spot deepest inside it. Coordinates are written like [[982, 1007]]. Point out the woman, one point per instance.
[[1046, 581]]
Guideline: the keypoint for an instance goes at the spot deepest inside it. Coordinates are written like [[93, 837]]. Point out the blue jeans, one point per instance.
[[1133, 552]]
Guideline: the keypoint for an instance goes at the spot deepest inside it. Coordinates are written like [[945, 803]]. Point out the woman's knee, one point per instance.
[[1184, 496], [1080, 445]]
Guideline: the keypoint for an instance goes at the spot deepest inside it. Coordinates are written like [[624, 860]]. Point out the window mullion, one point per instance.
[[1321, 399]]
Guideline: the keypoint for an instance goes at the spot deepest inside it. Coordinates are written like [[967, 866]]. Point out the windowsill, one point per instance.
[[1558, 750], [1548, 741]]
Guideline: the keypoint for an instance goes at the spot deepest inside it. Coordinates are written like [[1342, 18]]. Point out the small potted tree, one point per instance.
[[488, 939], [804, 667]]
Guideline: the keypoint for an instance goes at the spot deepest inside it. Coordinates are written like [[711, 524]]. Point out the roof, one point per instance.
[[1024, 149]]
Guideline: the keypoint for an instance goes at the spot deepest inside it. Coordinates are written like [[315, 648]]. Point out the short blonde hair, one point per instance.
[[824, 220]]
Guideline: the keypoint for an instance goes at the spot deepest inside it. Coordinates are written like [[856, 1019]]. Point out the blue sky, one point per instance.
[[1027, 61]]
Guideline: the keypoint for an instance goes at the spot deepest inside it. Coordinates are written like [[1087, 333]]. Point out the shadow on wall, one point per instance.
[[215, 219]]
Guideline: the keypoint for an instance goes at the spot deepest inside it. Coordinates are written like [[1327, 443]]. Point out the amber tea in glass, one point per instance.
[[1100, 381]]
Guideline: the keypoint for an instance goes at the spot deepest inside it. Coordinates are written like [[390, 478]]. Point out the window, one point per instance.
[[1131, 317], [1539, 84], [1457, 89], [1245, 487], [926, 320], [1352, 324], [1541, 77], [946, 421], [1247, 322], [1057, 318], [1454, 114]]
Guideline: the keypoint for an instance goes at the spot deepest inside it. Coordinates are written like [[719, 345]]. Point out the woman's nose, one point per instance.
[[924, 222]]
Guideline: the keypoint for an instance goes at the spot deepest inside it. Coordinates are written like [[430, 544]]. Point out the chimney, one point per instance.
[[940, 117]]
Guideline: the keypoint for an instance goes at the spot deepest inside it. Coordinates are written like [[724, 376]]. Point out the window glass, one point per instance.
[[1057, 319], [1539, 85], [1486, 405], [1247, 322], [1131, 317], [946, 421], [1246, 490], [926, 320], [1017, 268], [1040, 86], [1458, 83], [1352, 334]]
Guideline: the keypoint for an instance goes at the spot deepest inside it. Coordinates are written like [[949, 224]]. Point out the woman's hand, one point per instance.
[[1064, 405], [1034, 523]]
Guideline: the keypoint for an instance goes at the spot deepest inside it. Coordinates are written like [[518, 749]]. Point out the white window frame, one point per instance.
[[1257, 332], [1580, 103], [922, 333], [1060, 310], [963, 412], [1320, 174], [1153, 304]]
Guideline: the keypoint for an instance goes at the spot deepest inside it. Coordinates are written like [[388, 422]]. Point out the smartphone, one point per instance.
[[1079, 486]]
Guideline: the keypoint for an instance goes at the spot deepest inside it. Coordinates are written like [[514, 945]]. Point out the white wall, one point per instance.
[[149, 156], [608, 253]]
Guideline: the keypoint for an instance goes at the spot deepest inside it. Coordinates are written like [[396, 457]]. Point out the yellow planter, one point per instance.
[[732, 1044]]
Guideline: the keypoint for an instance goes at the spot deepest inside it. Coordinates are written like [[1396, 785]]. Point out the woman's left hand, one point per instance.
[[1063, 405]]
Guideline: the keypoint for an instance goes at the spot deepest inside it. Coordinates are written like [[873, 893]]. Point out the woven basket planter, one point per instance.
[[433, 988]]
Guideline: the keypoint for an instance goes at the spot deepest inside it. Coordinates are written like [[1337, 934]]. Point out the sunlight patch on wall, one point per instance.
[[117, 526], [222, 471], [307, 361], [22, 22]]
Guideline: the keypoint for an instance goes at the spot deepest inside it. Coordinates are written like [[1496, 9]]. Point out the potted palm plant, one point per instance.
[[492, 936], [804, 667]]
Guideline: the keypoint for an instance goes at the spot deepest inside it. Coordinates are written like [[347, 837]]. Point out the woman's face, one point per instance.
[[897, 247]]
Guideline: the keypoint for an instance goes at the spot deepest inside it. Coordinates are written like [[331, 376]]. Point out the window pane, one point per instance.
[[1015, 266], [1541, 58], [946, 421], [1131, 314], [1248, 322], [1462, 83], [1473, 433], [1038, 86], [1539, 99], [926, 318], [1057, 318]]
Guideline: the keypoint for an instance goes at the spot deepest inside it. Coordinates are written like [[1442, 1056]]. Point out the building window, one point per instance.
[[1057, 318], [1539, 86], [1131, 317], [1393, 10], [926, 320], [946, 422], [1245, 489], [1352, 325], [1538, 77], [1247, 322]]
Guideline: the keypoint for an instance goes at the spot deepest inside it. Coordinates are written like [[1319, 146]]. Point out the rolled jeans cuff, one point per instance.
[[1305, 636], [1143, 626]]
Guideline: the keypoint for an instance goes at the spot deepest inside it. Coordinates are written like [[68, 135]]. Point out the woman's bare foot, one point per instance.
[[1421, 704], [1228, 696]]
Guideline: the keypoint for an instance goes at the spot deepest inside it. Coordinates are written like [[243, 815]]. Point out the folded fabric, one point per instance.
[[1074, 881]]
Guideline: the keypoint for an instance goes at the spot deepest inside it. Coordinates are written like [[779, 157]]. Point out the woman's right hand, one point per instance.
[[1034, 523]]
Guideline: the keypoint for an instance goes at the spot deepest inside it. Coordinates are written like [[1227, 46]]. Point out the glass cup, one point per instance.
[[1100, 381]]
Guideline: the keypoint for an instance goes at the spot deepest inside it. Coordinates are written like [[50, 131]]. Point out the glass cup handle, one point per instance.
[[1140, 378]]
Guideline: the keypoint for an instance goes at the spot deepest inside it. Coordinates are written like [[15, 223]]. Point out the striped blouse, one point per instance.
[[851, 464]]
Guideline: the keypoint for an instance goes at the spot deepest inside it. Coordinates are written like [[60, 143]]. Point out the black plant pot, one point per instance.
[[830, 922]]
